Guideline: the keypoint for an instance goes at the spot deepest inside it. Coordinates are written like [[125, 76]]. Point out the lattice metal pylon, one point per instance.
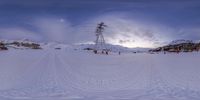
[[100, 44]]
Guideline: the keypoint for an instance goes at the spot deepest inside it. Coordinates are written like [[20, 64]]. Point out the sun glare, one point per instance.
[[137, 44]]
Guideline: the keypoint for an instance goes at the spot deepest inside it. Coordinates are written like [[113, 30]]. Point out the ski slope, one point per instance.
[[68, 74]]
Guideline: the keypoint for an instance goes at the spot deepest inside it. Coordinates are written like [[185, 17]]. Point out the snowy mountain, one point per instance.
[[28, 44], [113, 48], [174, 46], [55, 45]]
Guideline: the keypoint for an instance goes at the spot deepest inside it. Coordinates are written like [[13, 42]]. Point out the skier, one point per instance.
[[106, 52], [95, 51]]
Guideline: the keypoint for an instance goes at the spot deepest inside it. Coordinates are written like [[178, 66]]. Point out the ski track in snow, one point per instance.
[[77, 75]]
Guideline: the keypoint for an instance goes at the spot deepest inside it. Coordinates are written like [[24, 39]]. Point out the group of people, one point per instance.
[[104, 52]]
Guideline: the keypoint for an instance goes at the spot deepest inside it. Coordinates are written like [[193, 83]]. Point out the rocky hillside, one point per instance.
[[18, 44], [179, 46]]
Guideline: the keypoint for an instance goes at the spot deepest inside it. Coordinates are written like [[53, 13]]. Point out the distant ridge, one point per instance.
[[28, 44], [179, 46]]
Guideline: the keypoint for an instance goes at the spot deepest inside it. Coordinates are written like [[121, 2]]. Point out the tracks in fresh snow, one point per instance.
[[53, 73]]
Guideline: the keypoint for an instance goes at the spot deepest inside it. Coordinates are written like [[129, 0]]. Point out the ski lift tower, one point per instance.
[[100, 45]]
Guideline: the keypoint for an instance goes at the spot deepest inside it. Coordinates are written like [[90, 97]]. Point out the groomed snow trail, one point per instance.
[[77, 75]]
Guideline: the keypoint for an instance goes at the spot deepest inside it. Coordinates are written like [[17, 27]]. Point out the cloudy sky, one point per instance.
[[131, 23]]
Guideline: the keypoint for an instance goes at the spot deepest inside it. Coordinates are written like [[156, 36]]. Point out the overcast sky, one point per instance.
[[131, 23]]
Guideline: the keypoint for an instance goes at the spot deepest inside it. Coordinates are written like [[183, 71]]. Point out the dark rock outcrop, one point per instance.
[[2, 46], [178, 47], [19, 45]]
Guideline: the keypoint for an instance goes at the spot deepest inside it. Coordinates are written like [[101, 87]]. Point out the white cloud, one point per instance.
[[54, 29], [190, 33], [45, 29], [122, 30], [135, 32]]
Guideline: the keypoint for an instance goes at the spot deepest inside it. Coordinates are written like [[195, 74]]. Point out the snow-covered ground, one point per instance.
[[69, 74]]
